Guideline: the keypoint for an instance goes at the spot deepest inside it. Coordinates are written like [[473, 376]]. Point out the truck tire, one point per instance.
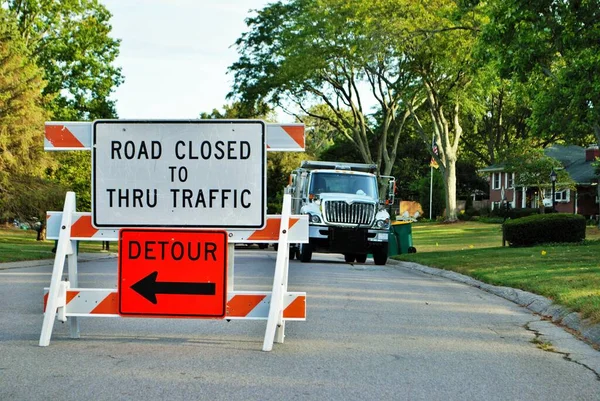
[[361, 258], [305, 253], [380, 255], [349, 257], [294, 252]]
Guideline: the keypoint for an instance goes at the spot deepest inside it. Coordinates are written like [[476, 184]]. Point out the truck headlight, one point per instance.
[[382, 224], [313, 218]]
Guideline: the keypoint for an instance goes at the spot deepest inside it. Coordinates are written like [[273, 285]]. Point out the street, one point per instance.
[[372, 333]]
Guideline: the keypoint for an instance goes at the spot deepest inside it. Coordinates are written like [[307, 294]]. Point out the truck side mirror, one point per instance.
[[391, 190]]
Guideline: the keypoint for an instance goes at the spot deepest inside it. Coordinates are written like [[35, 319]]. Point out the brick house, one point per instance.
[[576, 160]]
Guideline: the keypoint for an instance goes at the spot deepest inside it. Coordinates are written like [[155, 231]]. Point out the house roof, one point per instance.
[[492, 169], [572, 158]]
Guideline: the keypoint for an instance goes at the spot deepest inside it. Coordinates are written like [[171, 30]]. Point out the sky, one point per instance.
[[174, 54]]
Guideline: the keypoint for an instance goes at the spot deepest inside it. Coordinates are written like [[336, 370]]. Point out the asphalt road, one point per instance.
[[372, 333]]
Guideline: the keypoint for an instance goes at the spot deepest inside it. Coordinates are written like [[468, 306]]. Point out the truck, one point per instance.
[[345, 211]]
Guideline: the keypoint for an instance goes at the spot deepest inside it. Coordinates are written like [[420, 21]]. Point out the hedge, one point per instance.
[[518, 213], [544, 228]]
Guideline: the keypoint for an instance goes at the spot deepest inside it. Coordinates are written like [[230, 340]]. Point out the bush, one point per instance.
[[491, 220], [544, 228], [464, 217]]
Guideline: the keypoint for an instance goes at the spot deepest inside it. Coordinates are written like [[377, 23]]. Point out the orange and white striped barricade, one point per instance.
[[63, 135], [66, 301]]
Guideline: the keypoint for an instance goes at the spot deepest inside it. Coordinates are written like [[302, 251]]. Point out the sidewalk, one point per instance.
[[82, 257]]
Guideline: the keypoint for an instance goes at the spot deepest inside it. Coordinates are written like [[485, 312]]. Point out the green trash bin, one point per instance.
[[400, 238]]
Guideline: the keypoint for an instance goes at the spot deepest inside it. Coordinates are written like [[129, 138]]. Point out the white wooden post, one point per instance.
[[63, 248], [230, 266], [73, 282], [275, 319]]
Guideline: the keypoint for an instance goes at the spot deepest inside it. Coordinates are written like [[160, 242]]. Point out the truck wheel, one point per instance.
[[294, 253], [380, 255], [361, 258], [349, 257], [305, 253]]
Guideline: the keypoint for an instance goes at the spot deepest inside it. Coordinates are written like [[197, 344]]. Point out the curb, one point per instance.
[[82, 257], [536, 303]]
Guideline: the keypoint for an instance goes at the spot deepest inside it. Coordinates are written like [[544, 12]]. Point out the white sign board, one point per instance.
[[179, 173]]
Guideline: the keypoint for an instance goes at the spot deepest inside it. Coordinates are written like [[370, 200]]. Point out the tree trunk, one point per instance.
[[450, 188]]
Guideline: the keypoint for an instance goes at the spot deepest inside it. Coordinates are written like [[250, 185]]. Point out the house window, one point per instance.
[[562, 196], [510, 180], [495, 180]]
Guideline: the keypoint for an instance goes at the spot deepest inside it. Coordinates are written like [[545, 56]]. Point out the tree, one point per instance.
[[441, 53], [71, 43], [29, 199], [503, 123], [555, 46], [304, 53], [69, 40], [24, 192], [21, 114], [73, 171]]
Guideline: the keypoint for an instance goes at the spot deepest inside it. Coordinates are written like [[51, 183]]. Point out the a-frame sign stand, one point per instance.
[[65, 301]]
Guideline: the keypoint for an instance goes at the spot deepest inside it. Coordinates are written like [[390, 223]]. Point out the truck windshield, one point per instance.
[[343, 183]]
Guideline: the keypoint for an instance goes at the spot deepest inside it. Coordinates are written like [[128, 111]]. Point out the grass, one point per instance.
[[18, 245], [569, 274]]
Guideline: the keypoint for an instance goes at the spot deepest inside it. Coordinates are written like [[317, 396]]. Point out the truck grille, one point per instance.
[[341, 212]]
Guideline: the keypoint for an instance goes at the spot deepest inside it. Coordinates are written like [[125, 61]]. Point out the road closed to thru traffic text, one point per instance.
[[172, 273], [179, 174]]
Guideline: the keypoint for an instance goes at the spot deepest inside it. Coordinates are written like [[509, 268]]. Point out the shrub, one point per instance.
[[464, 217], [515, 213], [544, 228], [491, 220], [472, 212]]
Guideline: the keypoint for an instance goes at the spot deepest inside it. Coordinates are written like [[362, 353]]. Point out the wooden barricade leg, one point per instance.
[[63, 248], [275, 319]]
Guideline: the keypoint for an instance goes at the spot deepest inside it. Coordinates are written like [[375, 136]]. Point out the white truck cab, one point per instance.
[[346, 214]]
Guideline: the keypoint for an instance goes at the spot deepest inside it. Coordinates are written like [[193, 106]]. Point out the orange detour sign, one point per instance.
[[172, 273]]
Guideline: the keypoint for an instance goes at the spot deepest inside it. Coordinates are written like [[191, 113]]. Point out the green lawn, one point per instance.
[[17, 245], [569, 274]]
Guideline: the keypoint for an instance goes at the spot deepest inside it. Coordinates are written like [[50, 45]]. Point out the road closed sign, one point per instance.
[[204, 173], [172, 273]]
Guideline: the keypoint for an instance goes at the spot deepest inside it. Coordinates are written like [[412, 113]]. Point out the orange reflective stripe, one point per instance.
[[296, 132], [297, 309], [59, 136], [83, 228], [271, 230], [108, 306], [241, 305]]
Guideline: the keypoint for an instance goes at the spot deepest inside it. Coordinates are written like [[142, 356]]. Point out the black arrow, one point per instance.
[[148, 287]]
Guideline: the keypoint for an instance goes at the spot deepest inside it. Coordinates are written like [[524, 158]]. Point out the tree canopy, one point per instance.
[[304, 53], [555, 46], [70, 41], [21, 113]]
